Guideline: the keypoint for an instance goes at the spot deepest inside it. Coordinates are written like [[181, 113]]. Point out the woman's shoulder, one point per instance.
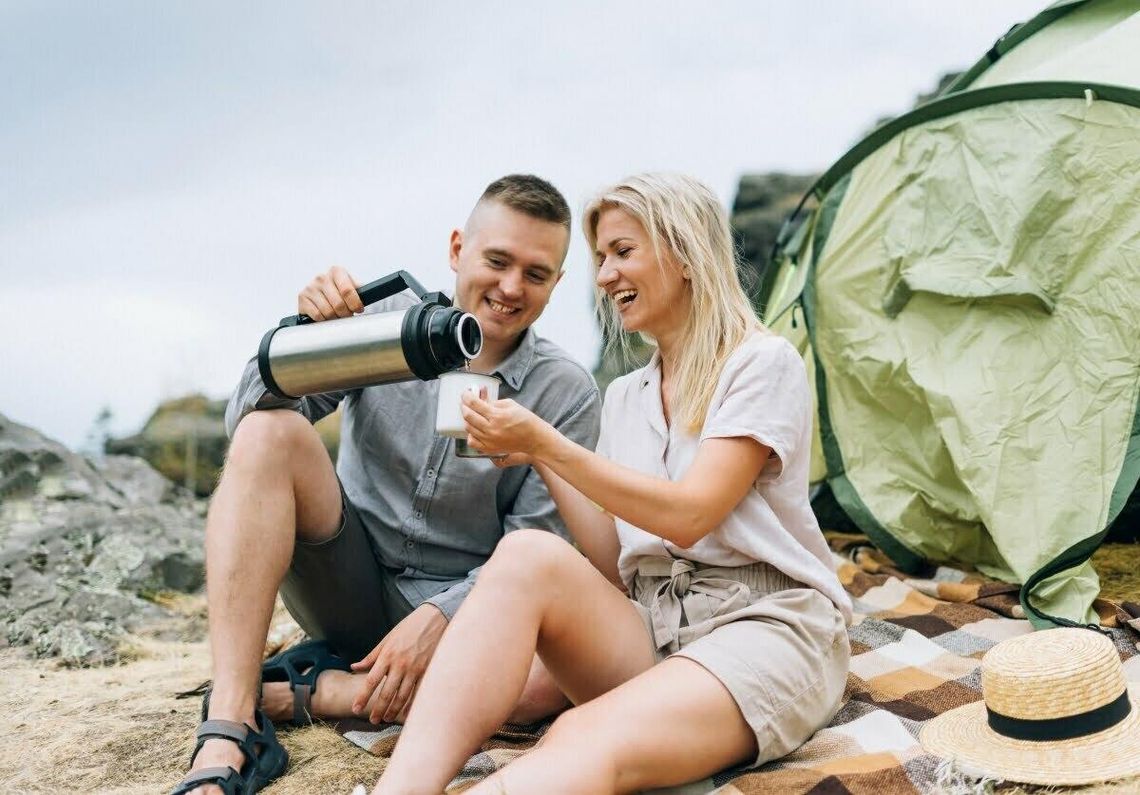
[[761, 350]]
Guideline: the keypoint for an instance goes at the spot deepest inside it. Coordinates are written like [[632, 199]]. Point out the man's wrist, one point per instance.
[[438, 612]]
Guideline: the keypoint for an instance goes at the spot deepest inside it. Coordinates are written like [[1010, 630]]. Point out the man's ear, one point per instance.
[[453, 248], [558, 278]]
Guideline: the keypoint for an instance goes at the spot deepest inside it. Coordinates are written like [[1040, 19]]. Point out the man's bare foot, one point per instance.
[[331, 700], [219, 753]]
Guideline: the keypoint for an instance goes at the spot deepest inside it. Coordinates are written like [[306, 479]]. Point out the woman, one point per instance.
[[704, 625]]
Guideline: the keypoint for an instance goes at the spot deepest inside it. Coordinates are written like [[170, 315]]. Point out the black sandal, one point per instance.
[[265, 757], [313, 657]]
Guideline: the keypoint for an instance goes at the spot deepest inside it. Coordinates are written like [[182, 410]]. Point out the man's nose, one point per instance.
[[511, 284]]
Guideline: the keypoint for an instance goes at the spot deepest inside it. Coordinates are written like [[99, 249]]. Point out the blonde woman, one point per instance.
[[701, 624]]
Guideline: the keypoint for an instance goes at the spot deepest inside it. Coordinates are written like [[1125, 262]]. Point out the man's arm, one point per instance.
[[253, 395]]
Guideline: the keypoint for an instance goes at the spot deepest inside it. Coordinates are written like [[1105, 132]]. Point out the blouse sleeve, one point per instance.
[[763, 395]]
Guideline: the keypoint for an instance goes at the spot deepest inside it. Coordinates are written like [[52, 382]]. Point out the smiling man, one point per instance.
[[374, 557]]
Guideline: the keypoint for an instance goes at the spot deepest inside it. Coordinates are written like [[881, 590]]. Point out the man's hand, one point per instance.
[[330, 295], [397, 664]]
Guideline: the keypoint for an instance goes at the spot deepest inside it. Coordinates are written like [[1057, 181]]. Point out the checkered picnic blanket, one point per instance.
[[916, 649]]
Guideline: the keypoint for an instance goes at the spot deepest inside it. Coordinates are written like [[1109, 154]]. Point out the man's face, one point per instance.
[[506, 264]]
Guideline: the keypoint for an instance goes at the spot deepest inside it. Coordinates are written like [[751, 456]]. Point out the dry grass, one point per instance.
[[121, 730], [1119, 568]]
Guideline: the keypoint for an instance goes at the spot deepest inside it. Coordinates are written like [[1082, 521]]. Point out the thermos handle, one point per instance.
[[384, 287]]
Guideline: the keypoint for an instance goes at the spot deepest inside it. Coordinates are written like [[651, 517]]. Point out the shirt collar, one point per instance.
[[649, 381], [514, 368]]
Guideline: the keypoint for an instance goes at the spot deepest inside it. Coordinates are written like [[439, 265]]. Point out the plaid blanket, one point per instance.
[[916, 649]]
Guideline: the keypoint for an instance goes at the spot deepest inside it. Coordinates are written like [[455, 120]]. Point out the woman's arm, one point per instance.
[[591, 527], [682, 512]]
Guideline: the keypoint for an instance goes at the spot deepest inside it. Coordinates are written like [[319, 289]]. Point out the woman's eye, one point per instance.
[[624, 252]]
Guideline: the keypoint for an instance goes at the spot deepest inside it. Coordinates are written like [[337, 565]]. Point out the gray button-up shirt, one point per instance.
[[434, 518]]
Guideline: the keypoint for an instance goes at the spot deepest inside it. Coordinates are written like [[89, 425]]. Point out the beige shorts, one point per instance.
[[780, 648]]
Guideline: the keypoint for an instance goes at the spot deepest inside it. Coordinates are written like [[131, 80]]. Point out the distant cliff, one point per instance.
[[185, 440]]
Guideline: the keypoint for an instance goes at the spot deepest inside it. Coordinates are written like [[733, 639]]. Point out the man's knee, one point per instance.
[[272, 437]]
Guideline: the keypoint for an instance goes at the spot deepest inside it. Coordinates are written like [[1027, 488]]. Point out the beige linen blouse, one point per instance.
[[762, 393]]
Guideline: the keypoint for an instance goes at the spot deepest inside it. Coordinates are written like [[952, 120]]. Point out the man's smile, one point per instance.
[[501, 309]]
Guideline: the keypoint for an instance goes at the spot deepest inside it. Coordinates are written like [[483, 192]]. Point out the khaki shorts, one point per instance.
[[780, 648]]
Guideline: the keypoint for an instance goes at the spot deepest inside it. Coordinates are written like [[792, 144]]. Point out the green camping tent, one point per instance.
[[966, 294]]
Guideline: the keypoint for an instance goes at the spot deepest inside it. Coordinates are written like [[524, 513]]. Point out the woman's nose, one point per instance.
[[606, 274]]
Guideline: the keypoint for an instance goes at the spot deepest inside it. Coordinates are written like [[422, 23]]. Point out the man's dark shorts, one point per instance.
[[338, 590]]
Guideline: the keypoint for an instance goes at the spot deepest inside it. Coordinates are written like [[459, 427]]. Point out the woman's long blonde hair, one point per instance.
[[685, 221]]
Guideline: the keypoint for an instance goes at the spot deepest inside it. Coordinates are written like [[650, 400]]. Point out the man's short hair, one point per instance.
[[529, 195]]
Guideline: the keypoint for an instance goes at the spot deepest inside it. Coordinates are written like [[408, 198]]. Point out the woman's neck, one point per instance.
[[668, 360]]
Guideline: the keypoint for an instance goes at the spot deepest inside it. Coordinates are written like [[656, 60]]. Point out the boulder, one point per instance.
[[85, 546]]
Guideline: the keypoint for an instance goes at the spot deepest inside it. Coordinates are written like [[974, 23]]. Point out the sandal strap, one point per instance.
[[228, 729], [228, 779], [238, 733], [302, 704]]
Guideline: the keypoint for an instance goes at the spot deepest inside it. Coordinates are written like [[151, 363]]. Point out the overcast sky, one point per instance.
[[172, 173]]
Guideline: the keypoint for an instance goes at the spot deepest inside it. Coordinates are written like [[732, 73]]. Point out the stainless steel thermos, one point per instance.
[[301, 357]]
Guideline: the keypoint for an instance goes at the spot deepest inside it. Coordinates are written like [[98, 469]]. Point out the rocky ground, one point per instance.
[[89, 551]]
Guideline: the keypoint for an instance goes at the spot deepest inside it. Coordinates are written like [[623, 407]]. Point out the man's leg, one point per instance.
[[278, 486]]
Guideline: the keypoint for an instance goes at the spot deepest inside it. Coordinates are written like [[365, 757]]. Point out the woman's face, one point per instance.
[[650, 296]]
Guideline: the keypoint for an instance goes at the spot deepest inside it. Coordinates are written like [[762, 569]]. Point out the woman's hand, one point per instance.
[[502, 426]]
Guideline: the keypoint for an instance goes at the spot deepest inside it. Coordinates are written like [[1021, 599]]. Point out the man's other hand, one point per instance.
[[397, 664], [330, 295]]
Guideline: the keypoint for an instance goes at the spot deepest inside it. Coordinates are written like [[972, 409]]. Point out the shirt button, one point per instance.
[[419, 514], [431, 473], [409, 543]]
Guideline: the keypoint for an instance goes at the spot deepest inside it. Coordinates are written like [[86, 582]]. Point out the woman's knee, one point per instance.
[[532, 554], [578, 732]]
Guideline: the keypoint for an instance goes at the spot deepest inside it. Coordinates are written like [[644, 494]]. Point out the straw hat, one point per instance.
[[1056, 710]]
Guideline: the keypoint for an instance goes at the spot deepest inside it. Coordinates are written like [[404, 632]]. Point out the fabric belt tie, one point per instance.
[[667, 608]]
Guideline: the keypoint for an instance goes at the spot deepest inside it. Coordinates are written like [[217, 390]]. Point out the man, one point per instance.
[[376, 556]]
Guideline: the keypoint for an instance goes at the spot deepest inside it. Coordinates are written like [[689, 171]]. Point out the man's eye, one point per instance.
[[536, 277], [494, 263]]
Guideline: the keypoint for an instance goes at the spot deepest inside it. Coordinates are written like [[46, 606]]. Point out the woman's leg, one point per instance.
[[536, 593], [672, 724]]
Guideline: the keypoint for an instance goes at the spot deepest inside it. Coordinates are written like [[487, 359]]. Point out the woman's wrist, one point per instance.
[[545, 443]]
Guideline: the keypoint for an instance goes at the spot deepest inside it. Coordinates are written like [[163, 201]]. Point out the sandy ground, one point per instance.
[[121, 730]]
